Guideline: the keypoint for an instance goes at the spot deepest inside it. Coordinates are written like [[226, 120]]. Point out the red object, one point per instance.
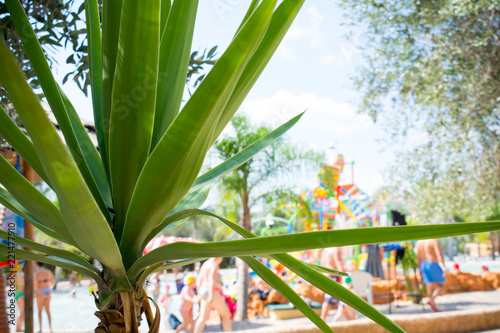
[[164, 240], [231, 305], [484, 267], [456, 266]]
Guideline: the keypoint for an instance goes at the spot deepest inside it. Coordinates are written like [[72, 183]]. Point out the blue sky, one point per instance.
[[310, 70]]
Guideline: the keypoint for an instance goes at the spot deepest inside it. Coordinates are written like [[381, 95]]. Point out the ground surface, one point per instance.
[[75, 314]]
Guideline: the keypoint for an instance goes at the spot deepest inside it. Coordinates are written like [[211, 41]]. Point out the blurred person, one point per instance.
[[209, 286], [331, 258], [345, 310], [197, 266], [432, 269], [93, 288], [74, 280], [484, 270], [44, 281], [155, 286], [165, 299], [188, 298]]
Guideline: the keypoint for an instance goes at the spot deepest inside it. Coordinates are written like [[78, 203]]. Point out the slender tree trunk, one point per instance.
[[243, 280], [492, 240], [4, 325], [195, 231], [29, 266]]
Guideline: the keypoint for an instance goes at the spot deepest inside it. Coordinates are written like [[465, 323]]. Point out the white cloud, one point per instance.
[[328, 59], [325, 120], [306, 28], [311, 30], [284, 51]]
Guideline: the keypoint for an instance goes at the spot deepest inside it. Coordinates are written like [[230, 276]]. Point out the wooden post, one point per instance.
[[29, 266]]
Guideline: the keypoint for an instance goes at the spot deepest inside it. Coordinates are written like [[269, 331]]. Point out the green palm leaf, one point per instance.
[[111, 19], [306, 240], [200, 189], [162, 185], [80, 213], [95, 64], [18, 140], [165, 7], [47, 250], [244, 155], [175, 49], [160, 267], [333, 288], [31, 199], [133, 100], [249, 12], [7, 200], [280, 23], [56, 261], [69, 125], [99, 185]]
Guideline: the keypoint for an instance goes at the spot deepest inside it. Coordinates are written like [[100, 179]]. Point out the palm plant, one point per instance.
[[145, 175]]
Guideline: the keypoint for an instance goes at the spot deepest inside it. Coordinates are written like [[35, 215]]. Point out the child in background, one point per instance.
[[188, 298], [484, 270], [154, 288], [344, 309], [165, 300]]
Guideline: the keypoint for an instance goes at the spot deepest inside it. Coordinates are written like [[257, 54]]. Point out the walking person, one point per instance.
[[432, 269], [44, 281], [345, 310], [209, 285], [331, 258], [188, 298]]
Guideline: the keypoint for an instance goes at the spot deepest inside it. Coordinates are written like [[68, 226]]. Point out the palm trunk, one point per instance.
[[123, 314], [243, 281]]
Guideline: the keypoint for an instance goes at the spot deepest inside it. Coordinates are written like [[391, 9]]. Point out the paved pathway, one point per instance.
[[76, 314]]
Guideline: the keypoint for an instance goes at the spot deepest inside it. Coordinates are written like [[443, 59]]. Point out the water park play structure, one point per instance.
[[327, 206]]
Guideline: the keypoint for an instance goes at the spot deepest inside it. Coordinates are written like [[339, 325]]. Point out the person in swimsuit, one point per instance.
[[345, 310], [331, 258], [44, 281], [188, 298], [209, 286], [432, 269], [155, 286], [165, 299]]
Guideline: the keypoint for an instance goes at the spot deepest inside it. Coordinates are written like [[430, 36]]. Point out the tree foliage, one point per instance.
[[265, 175], [432, 66], [55, 25], [61, 24], [258, 180]]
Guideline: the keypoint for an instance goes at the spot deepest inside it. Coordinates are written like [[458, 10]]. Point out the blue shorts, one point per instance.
[[431, 272], [328, 298]]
